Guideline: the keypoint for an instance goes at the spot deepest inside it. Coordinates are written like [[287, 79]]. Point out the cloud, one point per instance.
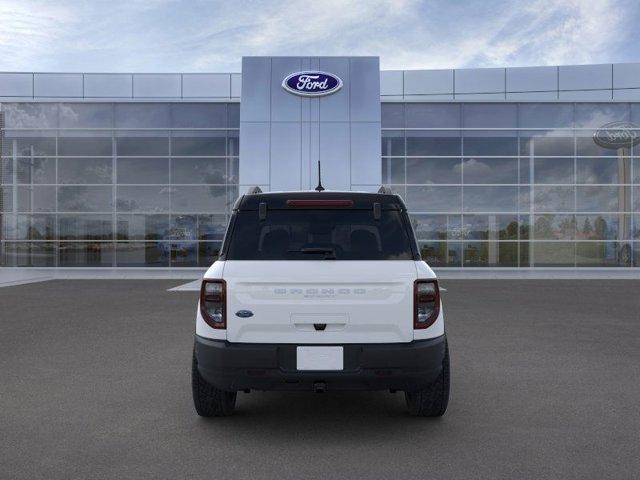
[[167, 35]]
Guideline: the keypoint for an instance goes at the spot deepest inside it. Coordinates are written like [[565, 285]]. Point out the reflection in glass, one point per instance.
[[142, 115], [490, 227], [393, 170], [142, 254], [546, 144], [601, 226], [142, 227], [36, 227], [143, 198], [553, 254], [490, 144], [490, 199], [36, 170], [208, 253], [490, 170], [434, 115], [199, 115], [490, 254], [199, 199], [392, 143], [83, 115], [434, 199], [93, 146], [30, 115], [38, 198], [554, 199], [37, 254], [545, 115], [142, 170], [85, 170], [204, 146], [85, 254], [392, 115], [85, 199], [437, 227], [442, 254], [603, 254], [554, 227], [553, 170], [434, 170], [143, 146], [33, 146], [598, 114], [433, 143], [85, 227], [603, 170], [603, 199], [199, 170]]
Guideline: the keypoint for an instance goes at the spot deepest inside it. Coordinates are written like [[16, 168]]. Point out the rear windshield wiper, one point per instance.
[[330, 253]]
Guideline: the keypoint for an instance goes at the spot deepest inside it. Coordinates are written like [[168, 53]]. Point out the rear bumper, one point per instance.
[[399, 366]]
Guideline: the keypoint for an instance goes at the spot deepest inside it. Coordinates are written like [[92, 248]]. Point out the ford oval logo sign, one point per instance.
[[244, 313], [616, 135], [312, 83]]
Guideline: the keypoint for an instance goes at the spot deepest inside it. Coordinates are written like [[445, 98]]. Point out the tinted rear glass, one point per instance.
[[319, 235]]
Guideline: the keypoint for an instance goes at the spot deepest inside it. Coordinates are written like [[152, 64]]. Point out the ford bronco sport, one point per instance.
[[320, 291]]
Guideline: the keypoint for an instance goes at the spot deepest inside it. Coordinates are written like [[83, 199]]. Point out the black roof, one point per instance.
[[278, 200]]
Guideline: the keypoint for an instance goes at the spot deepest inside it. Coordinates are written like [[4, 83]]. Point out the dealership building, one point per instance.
[[527, 167]]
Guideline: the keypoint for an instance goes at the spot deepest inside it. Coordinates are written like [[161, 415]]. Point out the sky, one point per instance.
[[212, 36]]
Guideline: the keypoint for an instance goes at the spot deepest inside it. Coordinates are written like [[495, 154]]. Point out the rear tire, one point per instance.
[[433, 400], [208, 400]]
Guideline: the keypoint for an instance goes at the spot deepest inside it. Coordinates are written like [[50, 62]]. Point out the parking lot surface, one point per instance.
[[95, 383]]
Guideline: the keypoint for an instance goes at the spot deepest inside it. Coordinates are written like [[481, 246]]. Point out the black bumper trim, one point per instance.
[[370, 366]]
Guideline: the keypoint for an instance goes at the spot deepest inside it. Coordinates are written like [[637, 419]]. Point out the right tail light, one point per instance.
[[426, 303], [213, 299]]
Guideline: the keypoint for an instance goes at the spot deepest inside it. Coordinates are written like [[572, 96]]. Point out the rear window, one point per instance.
[[319, 235]]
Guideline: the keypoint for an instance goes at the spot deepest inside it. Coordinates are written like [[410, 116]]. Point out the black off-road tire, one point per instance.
[[209, 400], [433, 400]]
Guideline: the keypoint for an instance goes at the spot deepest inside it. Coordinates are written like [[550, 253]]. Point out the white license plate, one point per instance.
[[320, 358]]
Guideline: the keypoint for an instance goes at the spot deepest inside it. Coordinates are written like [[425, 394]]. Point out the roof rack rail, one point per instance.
[[384, 190], [254, 190]]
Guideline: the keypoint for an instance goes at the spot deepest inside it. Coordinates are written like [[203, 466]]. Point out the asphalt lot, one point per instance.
[[95, 383]]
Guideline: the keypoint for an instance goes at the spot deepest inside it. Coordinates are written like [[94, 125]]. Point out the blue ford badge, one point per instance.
[[312, 83], [244, 313]]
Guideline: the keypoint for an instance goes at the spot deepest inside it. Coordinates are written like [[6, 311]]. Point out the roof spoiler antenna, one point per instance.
[[319, 188]]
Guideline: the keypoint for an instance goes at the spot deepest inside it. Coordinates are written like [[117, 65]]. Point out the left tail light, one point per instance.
[[426, 303], [213, 303]]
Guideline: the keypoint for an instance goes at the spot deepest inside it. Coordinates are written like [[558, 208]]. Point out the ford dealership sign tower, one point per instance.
[[295, 111]]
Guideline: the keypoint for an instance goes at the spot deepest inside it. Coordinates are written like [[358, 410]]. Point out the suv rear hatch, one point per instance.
[[332, 270]]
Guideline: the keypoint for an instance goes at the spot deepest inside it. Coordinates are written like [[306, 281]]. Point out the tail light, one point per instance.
[[213, 303], [426, 303]]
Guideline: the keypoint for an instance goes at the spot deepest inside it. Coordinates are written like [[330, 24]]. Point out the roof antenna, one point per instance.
[[319, 188]]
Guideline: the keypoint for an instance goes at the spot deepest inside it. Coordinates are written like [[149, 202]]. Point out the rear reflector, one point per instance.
[[319, 203]]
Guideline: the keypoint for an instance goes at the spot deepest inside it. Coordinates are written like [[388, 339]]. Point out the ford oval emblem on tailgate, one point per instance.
[[244, 313]]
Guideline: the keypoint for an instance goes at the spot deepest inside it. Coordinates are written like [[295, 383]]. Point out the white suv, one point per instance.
[[320, 291]]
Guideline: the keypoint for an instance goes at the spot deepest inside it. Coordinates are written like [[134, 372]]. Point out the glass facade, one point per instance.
[[515, 184], [116, 184], [135, 184]]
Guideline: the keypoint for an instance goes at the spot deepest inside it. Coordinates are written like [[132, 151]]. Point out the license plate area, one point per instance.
[[320, 358]]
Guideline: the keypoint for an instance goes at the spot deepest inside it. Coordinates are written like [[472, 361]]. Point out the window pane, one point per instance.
[[205, 146], [392, 143], [85, 227], [598, 114], [30, 115], [143, 199], [233, 115], [142, 170], [635, 234], [32, 146], [37, 199], [553, 254], [392, 115], [490, 227], [603, 170], [545, 115], [139, 254], [85, 170], [199, 170], [603, 199], [211, 227], [553, 170], [491, 144], [554, 199], [434, 170], [636, 170], [603, 227], [432, 115], [585, 145], [554, 227], [442, 254], [37, 254], [233, 170], [208, 253], [433, 143], [603, 254], [491, 254], [199, 199], [36, 170], [488, 115], [142, 227], [36, 227], [6, 170], [233, 143], [490, 170], [93, 115], [142, 115], [393, 170], [6, 199], [143, 146], [546, 144], [437, 227], [90, 146], [85, 199], [490, 199], [84, 254], [199, 115], [434, 199], [182, 253]]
